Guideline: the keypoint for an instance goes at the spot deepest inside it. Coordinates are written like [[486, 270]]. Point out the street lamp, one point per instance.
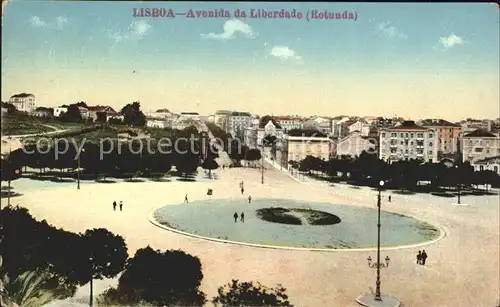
[[91, 302], [378, 300]]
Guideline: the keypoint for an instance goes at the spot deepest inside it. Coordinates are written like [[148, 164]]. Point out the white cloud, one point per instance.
[[136, 31], [37, 22], [231, 28], [391, 31], [60, 22], [450, 41], [286, 53]]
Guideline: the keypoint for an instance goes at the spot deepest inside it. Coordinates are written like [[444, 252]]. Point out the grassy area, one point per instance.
[[315, 217], [13, 126], [16, 124], [278, 215]]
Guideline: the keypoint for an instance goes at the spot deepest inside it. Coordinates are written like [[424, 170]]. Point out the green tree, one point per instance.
[[169, 278], [73, 114], [106, 254], [242, 294], [132, 114], [209, 164]]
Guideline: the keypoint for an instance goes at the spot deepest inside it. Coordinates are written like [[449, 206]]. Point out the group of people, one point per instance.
[[114, 205], [242, 217], [421, 257]]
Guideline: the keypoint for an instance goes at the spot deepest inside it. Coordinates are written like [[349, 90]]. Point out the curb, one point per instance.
[[443, 234]]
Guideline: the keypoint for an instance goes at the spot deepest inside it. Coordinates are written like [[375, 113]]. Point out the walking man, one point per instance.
[[419, 257], [242, 190], [242, 217], [186, 199], [235, 215], [389, 198], [121, 205], [424, 257], [249, 198], [114, 205]]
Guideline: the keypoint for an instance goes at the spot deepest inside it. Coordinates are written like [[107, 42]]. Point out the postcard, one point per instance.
[[249, 154]]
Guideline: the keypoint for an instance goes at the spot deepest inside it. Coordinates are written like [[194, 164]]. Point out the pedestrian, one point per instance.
[[242, 191], [121, 205], [186, 199], [424, 257], [114, 205], [235, 215], [242, 217], [419, 257], [249, 198], [389, 198]]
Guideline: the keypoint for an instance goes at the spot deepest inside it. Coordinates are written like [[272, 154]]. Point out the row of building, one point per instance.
[[391, 139]]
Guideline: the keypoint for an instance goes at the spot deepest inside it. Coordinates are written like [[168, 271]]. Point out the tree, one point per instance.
[[9, 172], [107, 254], [210, 164], [132, 114], [187, 163], [9, 106], [167, 278], [28, 289], [238, 293], [73, 114], [269, 140], [253, 155]]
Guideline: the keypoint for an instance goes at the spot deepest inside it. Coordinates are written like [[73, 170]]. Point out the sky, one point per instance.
[[395, 59]]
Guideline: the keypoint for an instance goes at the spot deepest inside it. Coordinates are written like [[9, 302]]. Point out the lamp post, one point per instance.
[[91, 302], [378, 300]]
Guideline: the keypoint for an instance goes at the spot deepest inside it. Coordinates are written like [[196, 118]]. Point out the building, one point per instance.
[[105, 111], [23, 102], [361, 126], [43, 112], [84, 112], [408, 141], [297, 147], [267, 126], [339, 126], [479, 145], [161, 123], [289, 123], [448, 136], [322, 124], [237, 123], [59, 111], [161, 113], [470, 125], [488, 164], [220, 118], [356, 142]]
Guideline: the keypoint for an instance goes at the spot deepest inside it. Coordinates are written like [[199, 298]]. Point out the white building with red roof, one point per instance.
[[408, 141]]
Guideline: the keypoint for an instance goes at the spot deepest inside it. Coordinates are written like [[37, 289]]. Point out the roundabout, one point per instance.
[[294, 224]]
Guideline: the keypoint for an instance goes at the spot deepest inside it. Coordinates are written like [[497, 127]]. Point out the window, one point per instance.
[[495, 168], [401, 134], [411, 135], [431, 135], [478, 149], [430, 143], [383, 135], [401, 142], [481, 168]]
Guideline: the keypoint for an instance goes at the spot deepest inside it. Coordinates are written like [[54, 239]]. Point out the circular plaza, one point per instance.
[[292, 223]]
